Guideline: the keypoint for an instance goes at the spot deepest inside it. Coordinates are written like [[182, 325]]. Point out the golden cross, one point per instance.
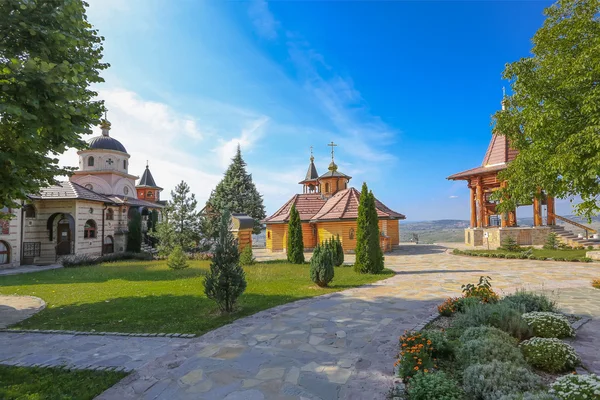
[[333, 145]]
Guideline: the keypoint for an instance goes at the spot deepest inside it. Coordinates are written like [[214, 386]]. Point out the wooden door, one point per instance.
[[63, 247]]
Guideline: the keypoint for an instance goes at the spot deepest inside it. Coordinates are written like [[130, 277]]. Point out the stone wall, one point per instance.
[[12, 240], [524, 236]]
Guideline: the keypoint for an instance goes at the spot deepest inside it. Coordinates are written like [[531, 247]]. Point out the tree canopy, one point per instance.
[[49, 57], [552, 115], [237, 193]]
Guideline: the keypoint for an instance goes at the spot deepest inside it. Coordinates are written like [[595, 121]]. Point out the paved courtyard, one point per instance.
[[341, 345]]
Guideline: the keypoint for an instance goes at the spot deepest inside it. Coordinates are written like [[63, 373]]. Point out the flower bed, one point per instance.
[[568, 254], [549, 325]]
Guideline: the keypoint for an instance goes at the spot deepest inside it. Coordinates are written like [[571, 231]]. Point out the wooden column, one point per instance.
[[473, 208], [551, 218], [537, 212], [504, 216], [512, 218], [480, 205]]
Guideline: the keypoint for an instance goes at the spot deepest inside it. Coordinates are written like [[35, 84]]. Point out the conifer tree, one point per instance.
[[134, 234], [177, 259], [236, 192], [295, 243], [369, 257], [338, 251], [226, 280], [321, 265], [182, 218]]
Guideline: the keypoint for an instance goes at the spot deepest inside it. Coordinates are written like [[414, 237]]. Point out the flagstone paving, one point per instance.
[[344, 345], [14, 309]]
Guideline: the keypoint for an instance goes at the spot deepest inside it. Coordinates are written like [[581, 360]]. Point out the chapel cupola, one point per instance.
[[333, 181], [310, 183], [147, 188]]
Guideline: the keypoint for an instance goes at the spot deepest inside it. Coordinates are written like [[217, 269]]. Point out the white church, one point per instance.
[[88, 214]]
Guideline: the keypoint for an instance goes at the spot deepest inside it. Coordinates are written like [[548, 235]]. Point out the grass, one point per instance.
[[53, 383], [569, 254], [146, 296]]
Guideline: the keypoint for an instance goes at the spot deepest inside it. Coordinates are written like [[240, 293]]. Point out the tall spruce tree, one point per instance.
[[226, 280], [236, 192], [295, 243], [181, 222], [369, 257]]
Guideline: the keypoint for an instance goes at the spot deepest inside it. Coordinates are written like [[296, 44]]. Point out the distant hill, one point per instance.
[[452, 230]]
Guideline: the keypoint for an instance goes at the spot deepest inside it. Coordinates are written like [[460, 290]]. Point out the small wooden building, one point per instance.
[[241, 228], [328, 208]]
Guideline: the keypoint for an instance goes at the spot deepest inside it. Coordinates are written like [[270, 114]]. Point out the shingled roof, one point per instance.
[[147, 179], [497, 157], [314, 207], [311, 174], [69, 190]]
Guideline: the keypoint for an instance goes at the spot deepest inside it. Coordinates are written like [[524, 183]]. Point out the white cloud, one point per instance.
[[264, 22], [453, 197], [249, 136]]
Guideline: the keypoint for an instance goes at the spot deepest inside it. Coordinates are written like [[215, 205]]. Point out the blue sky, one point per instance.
[[406, 89]]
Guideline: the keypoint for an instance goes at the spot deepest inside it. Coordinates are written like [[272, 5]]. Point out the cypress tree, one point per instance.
[[338, 252], [369, 257], [295, 243], [321, 265], [134, 234], [235, 192], [226, 280]]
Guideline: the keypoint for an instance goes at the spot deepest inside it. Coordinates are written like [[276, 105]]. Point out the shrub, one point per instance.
[[549, 325], [577, 387], [484, 332], [77, 260], [501, 255], [434, 386], [500, 315], [338, 251], [246, 256], [295, 243], [449, 306], [586, 259], [126, 255], [457, 252], [552, 242], [509, 244], [416, 355], [559, 259], [530, 302], [513, 256], [596, 283], [177, 259], [590, 247], [464, 302], [226, 280], [496, 379], [483, 290], [549, 354], [321, 265], [134, 234], [529, 396], [201, 256], [482, 351], [442, 348]]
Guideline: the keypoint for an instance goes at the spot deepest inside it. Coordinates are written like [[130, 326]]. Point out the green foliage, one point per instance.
[[500, 315], [236, 192], [486, 332], [295, 243], [529, 396], [442, 347], [50, 55], [134, 234], [549, 325], [552, 115], [577, 387], [246, 256], [20, 383], [493, 380], [488, 349], [177, 259], [77, 260], [434, 386], [509, 244], [226, 280], [181, 221], [550, 354], [369, 256], [84, 260], [152, 221], [529, 302], [552, 242], [338, 251], [482, 291], [416, 355], [321, 265]]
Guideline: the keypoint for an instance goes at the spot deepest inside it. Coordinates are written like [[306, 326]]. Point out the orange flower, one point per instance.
[[426, 370], [416, 368]]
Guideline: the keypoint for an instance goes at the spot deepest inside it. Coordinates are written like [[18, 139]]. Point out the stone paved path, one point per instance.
[[341, 345], [83, 351], [15, 309], [26, 269]]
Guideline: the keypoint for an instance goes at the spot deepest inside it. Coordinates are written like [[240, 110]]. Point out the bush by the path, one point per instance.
[[499, 315], [416, 355], [485, 332], [529, 396], [531, 302], [482, 351], [482, 291], [84, 260], [549, 325], [577, 387], [550, 354], [177, 259], [434, 386], [321, 265], [496, 379]]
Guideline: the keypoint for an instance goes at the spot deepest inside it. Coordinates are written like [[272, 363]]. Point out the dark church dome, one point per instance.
[[105, 142]]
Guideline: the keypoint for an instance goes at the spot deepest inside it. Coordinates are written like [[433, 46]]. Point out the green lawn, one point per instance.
[[143, 296], [566, 254], [53, 383]]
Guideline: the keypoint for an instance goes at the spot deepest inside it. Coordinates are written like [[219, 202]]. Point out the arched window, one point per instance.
[[150, 194], [4, 253], [124, 164], [351, 234], [327, 188], [90, 161], [109, 246], [110, 214], [29, 211], [89, 230]]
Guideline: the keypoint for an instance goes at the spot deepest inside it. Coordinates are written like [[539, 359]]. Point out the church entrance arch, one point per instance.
[[63, 237]]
